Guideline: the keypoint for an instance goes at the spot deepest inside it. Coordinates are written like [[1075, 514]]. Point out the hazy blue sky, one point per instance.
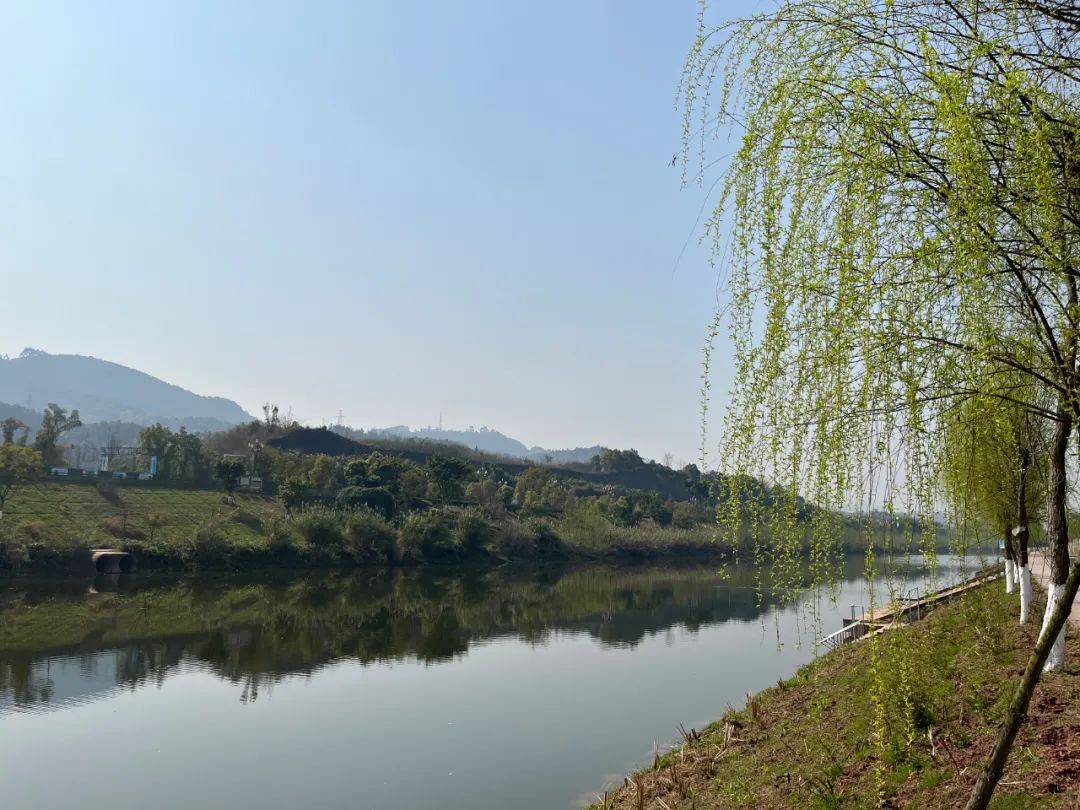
[[389, 208]]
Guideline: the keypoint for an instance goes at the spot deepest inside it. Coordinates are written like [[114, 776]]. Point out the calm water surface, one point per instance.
[[517, 687]]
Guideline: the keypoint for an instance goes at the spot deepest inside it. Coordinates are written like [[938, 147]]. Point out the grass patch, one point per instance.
[[60, 522]]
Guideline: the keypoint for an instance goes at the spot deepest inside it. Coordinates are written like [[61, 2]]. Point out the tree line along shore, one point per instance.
[[53, 526], [268, 493]]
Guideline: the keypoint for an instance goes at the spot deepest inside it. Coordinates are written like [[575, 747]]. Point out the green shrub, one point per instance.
[[209, 543], [377, 499], [473, 533], [546, 542], [321, 527], [584, 526], [686, 515], [531, 538], [280, 540], [511, 540], [293, 493], [429, 535], [369, 536]]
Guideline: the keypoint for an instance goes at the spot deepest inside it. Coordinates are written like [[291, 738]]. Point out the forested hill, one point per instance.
[[623, 468], [108, 392]]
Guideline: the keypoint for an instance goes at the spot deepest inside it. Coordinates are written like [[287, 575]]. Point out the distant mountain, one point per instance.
[[487, 440], [108, 392]]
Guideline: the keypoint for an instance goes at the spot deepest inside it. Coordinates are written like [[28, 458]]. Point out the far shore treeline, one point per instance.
[[272, 492]]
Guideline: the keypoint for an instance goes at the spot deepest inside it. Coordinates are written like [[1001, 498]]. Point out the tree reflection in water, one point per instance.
[[66, 643]]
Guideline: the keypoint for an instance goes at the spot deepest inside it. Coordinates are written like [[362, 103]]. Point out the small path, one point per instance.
[[1040, 573]]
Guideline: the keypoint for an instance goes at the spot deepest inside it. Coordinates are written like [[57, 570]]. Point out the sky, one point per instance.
[[392, 210]]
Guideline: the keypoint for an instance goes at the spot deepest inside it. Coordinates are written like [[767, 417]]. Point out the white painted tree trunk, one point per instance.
[[1010, 577], [1056, 660], [1024, 576]]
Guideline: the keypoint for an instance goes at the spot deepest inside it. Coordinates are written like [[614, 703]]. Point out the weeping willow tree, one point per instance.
[[995, 475], [904, 208]]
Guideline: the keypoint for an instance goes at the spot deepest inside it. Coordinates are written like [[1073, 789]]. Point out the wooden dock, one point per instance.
[[904, 611]]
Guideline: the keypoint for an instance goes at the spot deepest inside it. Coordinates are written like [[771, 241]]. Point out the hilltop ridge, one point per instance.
[[104, 391], [484, 439]]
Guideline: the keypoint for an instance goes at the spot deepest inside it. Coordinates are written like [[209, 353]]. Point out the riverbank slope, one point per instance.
[[821, 739], [53, 526]]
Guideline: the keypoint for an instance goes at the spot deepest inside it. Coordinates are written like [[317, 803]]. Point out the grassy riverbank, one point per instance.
[[53, 526], [816, 740]]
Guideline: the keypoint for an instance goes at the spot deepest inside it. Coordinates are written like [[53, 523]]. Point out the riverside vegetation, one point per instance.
[[317, 520], [53, 525], [901, 280], [377, 508]]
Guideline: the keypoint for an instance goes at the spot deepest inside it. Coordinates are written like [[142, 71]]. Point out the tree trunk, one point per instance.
[[1020, 540], [1020, 533], [984, 788], [1010, 564], [1026, 594], [1057, 530], [1023, 570]]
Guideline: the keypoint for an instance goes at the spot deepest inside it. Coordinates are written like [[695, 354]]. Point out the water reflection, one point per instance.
[[395, 689], [68, 643]]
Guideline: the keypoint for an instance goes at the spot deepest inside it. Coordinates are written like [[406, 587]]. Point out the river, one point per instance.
[[524, 687]]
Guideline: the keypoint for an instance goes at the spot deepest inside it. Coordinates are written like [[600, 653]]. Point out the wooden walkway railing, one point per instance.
[[904, 610]]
